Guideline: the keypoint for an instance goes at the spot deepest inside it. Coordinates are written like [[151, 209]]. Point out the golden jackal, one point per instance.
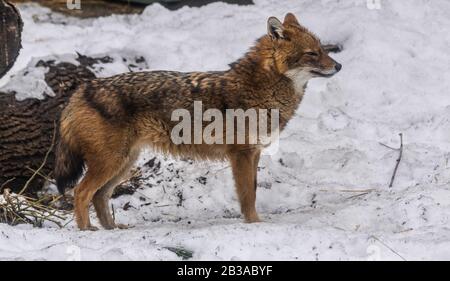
[[109, 120]]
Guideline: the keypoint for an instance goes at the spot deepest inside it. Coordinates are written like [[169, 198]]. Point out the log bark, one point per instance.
[[10, 36], [27, 127]]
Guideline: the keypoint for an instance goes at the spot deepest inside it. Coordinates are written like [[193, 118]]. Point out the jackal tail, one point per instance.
[[69, 165]]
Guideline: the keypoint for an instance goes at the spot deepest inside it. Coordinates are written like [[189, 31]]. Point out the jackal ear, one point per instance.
[[275, 28], [290, 19]]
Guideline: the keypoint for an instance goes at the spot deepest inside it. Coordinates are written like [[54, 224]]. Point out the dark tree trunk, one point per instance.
[[27, 127], [10, 31]]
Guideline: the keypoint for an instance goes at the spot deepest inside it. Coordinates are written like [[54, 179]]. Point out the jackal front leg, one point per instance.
[[244, 165]]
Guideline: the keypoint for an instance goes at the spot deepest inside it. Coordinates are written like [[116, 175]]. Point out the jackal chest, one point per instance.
[[287, 101]]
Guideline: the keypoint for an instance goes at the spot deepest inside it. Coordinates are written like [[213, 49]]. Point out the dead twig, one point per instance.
[[6, 182], [387, 246], [400, 149], [358, 195], [387, 146], [41, 175], [43, 162], [357, 190], [16, 209], [134, 174], [113, 212], [166, 205]]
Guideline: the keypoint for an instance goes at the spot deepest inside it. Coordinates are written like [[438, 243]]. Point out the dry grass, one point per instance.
[[18, 209]]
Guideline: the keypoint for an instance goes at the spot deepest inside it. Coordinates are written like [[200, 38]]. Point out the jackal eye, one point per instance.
[[312, 54]]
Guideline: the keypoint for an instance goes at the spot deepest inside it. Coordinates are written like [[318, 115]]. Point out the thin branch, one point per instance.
[[387, 146], [134, 174], [67, 223], [40, 174], [357, 190], [387, 246], [358, 195], [113, 212], [398, 160], [43, 162], [6, 182], [166, 205]]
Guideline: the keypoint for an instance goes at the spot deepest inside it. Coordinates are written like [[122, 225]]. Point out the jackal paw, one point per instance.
[[252, 219], [114, 226], [89, 228], [123, 226]]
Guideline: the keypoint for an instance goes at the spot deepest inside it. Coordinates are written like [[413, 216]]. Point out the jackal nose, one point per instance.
[[338, 66]]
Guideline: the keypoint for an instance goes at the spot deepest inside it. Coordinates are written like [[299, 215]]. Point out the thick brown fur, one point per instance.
[[109, 120]]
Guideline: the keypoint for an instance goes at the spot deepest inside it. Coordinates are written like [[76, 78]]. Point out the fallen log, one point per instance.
[[27, 128], [10, 36]]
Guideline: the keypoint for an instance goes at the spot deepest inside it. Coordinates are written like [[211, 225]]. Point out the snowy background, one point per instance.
[[325, 195]]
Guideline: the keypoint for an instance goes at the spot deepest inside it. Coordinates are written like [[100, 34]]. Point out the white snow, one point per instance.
[[325, 194]]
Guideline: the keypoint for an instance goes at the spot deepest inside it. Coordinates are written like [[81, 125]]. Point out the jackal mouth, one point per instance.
[[320, 74]]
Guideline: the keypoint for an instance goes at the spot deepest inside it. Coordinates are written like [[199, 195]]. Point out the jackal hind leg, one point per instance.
[[244, 165], [84, 193], [103, 195]]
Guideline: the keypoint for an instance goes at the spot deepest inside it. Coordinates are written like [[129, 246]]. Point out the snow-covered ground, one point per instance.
[[325, 194]]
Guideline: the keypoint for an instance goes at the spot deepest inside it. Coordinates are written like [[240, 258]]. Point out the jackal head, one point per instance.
[[298, 53]]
